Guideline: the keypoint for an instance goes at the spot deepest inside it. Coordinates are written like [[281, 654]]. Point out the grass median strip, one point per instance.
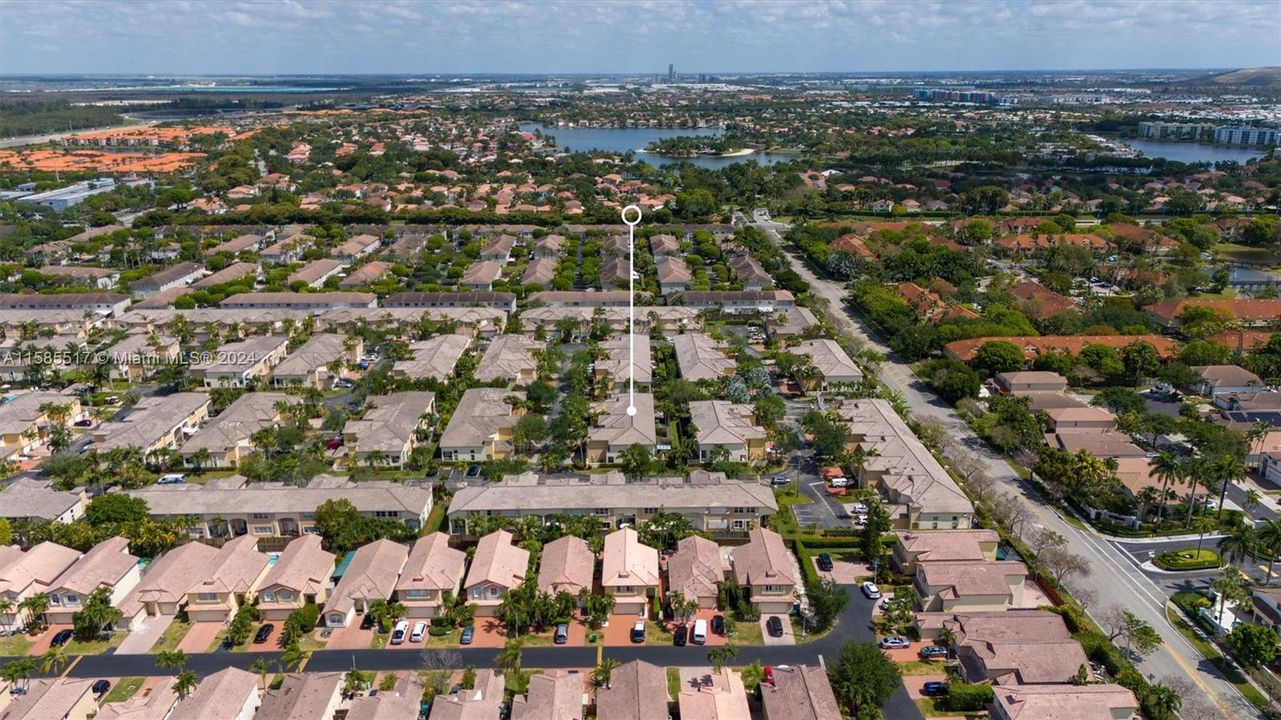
[[1216, 658]]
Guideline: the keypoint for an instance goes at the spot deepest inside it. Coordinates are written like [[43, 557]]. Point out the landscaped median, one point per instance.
[[1187, 559]]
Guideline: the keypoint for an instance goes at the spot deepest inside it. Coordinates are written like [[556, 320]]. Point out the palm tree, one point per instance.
[[1228, 586], [604, 670], [35, 607], [1229, 468], [1255, 436], [1240, 543], [259, 667], [200, 460], [721, 656], [171, 659], [6, 607], [947, 638], [1268, 536], [509, 659], [18, 672], [53, 659], [1193, 476], [185, 683], [1169, 469], [294, 656]]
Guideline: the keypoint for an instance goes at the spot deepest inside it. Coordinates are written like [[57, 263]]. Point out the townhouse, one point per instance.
[[232, 273], [833, 364], [668, 320], [1029, 382], [709, 500], [567, 565], [496, 567], [626, 359], [1218, 380], [735, 302], [237, 364], [94, 277], [538, 273], [578, 298], [232, 579], [673, 274], [403, 701], [700, 358], [615, 429], [912, 547], [176, 276], [1248, 313], [498, 249], [727, 425], [101, 303], [800, 692], [549, 247], [31, 499], [636, 691], [367, 274], [227, 439], [25, 574], [156, 705], [371, 575], [512, 358], [481, 426], [748, 272], [162, 591], [481, 275], [319, 361], [960, 586], [696, 570], [1034, 346], [790, 322], [766, 570], [247, 241], [140, 355], [303, 695], [629, 572], [315, 273], [503, 301], [299, 577], [432, 570], [154, 423], [25, 422], [233, 506], [390, 429], [312, 302], [434, 358], [106, 565], [356, 247]]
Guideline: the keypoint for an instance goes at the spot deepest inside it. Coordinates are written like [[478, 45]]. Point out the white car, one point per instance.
[[860, 508], [870, 590], [420, 629], [894, 641], [840, 482]]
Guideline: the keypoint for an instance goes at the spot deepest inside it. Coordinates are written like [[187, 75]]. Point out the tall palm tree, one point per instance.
[[35, 607], [6, 607], [509, 658], [604, 670], [185, 683], [54, 659], [1195, 473], [1229, 469], [1228, 586], [1240, 543], [1268, 536], [171, 659], [259, 668], [294, 656], [1255, 436], [947, 638], [1169, 469]]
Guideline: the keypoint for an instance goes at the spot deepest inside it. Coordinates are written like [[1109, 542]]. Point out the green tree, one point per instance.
[[1253, 645], [664, 529], [54, 659], [96, 614], [998, 356], [115, 508], [863, 677], [635, 460], [1229, 589], [1240, 543], [827, 601], [171, 659], [603, 671]]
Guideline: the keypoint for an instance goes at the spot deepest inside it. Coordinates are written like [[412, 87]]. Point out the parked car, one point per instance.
[[62, 638], [638, 632], [419, 632], [929, 652], [825, 562], [333, 443], [263, 633], [775, 626], [399, 632], [780, 480], [894, 642], [718, 624], [698, 633], [934, 688], [562, 634], [840, 482], [680, 635], [100, 688], [367, 622], [860, 508], [86, 422], [172, 479], [468, 633], [870, 590], [473, 470]]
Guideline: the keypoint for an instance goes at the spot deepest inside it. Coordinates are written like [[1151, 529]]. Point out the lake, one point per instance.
[[1193, 152], [621, 140]]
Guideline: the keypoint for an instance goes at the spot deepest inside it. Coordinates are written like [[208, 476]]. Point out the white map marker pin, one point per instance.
[[631, 304]]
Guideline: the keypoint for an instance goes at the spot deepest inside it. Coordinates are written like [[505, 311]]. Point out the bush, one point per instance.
[[300, 622], [438, 631], [1187, 559], [963, 697]]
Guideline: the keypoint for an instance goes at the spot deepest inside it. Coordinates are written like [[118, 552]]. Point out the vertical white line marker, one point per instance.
[[631, 305]]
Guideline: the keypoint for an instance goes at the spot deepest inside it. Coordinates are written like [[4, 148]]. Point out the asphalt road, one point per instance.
[[1113, 580], [853, 624]]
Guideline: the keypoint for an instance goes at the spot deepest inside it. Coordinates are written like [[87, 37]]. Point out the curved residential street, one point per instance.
[[1115, 580]]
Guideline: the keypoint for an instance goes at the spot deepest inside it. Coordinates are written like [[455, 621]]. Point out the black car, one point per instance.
[[264, 632], [367, 623], [718, 624], [825, 562], [473, 470], [775, 626], [934, 688], [680, 635], [61, 638], [100, 688]]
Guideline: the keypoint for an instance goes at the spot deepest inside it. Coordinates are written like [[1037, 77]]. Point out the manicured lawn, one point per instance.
[[95, 647], [379, 641], [656, 634], [920, 667], [673, 682], [1187, 559], [747, 633], [123, 690], [172, 635], [14, 645], [937, 707], [1212, 654]]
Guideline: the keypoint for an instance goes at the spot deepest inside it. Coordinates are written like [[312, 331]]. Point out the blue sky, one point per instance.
[[564, 36]]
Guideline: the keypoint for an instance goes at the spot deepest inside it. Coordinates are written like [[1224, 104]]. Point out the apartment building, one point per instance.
[[156, 422], [735, 302], [503, 301], [390, 429], [481, 426], [101, 303], [315, 302]]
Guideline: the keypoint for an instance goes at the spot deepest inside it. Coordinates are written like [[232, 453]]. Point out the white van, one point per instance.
[[840, 482], [420, 629], [700, 632], [398, 633]]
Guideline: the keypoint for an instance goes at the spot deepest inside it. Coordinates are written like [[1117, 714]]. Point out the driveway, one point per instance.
[[619, 630], [140, 641], [789, 637], [914, 683], [350, 638], [843, 572], [42, 641], [200, 637]]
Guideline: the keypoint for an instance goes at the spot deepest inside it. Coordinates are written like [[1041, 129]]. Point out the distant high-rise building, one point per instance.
[[671, 72]]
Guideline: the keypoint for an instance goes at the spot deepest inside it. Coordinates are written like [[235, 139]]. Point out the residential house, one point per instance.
[[312, 302], [482, 701], [539, 273], [718, 695], [510, 357], [230, 274], [368, 274], [403, 701], [735, 302], [749, 272], [552, 695], [311, 364], [162, 591], [237, 364], [629, 572], [299, 577], [303, 696], [636, 691], [1039, 302], [1079, 419], [499, 249], [156, 705], [664, 245], [710, 501], [434, 358], [231, 580], [101, 303], [57, 699], [30, 573], [238, 244], [617, 428], [790, 322], [960, 586], [371, 575], [389, 431], [766, 570], [727, 425], [481, 426], [626, 359], [481, 275], [1026, 382], [25, 422], [701, 358], [31, 499], [1218, 380], [673, 274], [432, 569], [549, 247], [496, 567], [1063, 702], [696, 570], [94, 277], [176, 276], [913, 546], [228, 438], [799, 692], [358, 246], [567, 565], [140, 355], [106, 565], [229, 694], [833, 364]]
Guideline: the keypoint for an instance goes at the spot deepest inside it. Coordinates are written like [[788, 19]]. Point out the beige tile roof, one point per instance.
[[371, 574], [1065, 702], [235, 495], [764, 560], [391, 423], [507, 357], [626, 561], [242, 354], [498, 561], [1026, 662], [233, 427], [219, 696], [432, 565], [482, 272], [20, 413], [319, 350], [234, 271], [303, 567], [1227, 376], [105, 564], [719, 696], [720, 422], [168, 578], [35, 499], [41, 565], [397, 704], [700, 358], [567, 564], [696, 568], [672, 271], [235, 569], [830, 359], [934, 545], [315, 270], [636, 691], [791, 321], [300, 301], [302, 696], [996, 625], [368, 273], [47, 699], [540, 271], [155, 706], [615, 356], [482, 702], [151, 419], [480, 414], [966, 579], [800, 693], [433, 358], [553, 695], [619, 429]]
